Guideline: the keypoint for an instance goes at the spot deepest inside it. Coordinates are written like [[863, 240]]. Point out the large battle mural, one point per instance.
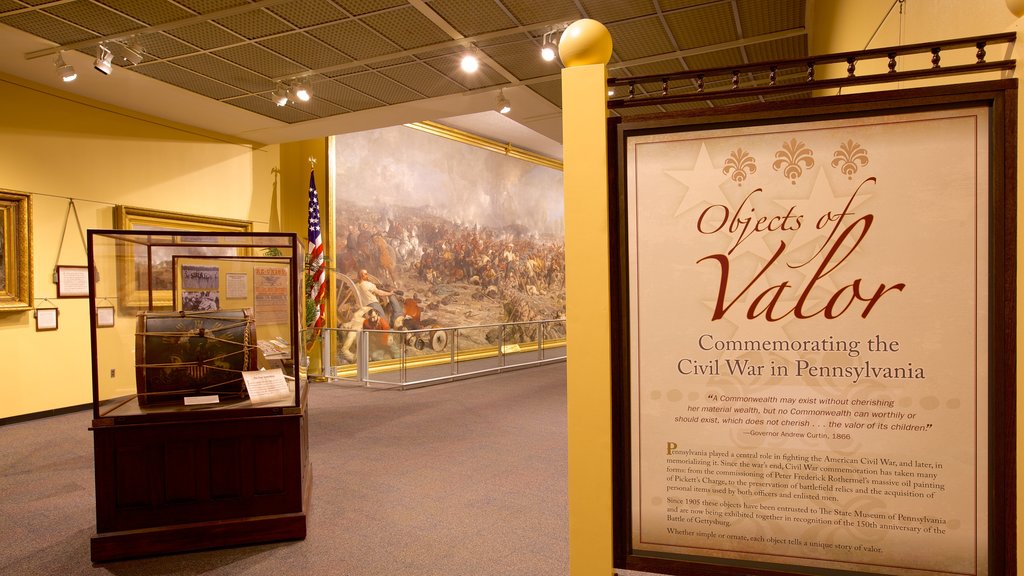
[[432, 232]]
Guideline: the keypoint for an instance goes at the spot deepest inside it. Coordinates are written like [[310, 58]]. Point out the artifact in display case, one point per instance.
[[198, 391], [193, 354]]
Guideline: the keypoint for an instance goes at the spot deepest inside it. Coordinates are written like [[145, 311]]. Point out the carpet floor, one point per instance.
[[463, 478]]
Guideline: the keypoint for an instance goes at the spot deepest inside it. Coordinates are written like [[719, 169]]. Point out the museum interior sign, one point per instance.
[[815, 320]]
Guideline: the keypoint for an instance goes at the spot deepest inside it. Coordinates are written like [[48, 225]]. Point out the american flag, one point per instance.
[[316, 257]]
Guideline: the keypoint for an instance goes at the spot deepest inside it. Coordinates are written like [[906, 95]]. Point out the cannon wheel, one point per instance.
[[348, 299]]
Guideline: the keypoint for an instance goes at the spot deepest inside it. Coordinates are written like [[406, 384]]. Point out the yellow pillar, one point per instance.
[[585, 48]]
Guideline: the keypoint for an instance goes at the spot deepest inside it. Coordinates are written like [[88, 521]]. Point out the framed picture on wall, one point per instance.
[[15, 251], [147, 272], [814, 305], [72, 281]]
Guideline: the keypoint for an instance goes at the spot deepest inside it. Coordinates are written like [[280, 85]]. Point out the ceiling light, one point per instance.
[[280, 95], [65, 71], [549, 48], [470, 63], [503, 106], [104, 60], [299, 92]]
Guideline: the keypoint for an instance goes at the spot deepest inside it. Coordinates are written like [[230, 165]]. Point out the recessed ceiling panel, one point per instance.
[[550, 91], [358, 7], [149, 12], [226, 72], [188, 80], [406, 27], [422, 79], [758, 17], [354, 39], [305, 50], [784, 49], [94, 17], [609, 11], [704, 26], [472, 17], [162, 46], [523, 60], [47, 27], [529, 12], [303, 13], [260, 60], [379, 87], [205, 35], [640, 38], [346, 96], [255, 24]]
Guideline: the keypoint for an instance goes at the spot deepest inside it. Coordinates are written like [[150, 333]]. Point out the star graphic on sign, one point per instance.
[[703, 183]]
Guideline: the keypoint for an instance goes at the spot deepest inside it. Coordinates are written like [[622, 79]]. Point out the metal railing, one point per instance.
[[408, 358]]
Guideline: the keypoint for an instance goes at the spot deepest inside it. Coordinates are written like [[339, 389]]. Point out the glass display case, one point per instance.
[[198, 388]]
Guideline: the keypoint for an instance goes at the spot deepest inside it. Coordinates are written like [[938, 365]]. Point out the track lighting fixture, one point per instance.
[[549, 49], [299, 92], [132, 54], [104, 60], [503, 106], [65, 71], [280, 95], [470, 63]]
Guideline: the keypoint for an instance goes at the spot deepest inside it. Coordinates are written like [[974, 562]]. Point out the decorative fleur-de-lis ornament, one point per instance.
[[847, 158], [741, 164], [793, 159]]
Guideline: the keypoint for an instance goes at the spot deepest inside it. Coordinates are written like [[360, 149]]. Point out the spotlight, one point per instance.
[[280, 95], [299, 92], [503, 106], [470, 63], [65, 71], [104, 60], [548, 49]]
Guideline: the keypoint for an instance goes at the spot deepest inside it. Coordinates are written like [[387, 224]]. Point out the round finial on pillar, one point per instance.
[[1016, 7], [585, 42]]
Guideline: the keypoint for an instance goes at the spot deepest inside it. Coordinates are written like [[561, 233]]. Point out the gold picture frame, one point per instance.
[[15, 251], [134, 290]]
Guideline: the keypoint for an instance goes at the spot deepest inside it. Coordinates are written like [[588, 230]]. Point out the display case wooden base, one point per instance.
[[224, 479]]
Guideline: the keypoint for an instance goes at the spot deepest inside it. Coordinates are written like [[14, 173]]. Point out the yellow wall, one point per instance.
[[57, 147]]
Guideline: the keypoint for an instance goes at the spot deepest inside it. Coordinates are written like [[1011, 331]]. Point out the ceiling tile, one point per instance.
[[47, 27], [703, 26], [305, 50], [305, 13], [783, 49], [757, 17], [522, 59], [422, 79], [209, 6], [148, 12], [379, 87], [10, 6], [161, 46], [550, 91], [182, 78], [609, 11], [260, 60], [345, 96], [406, 27], [472, 17], [359, 7], [226, 72], [640, 38], [528, 12], [255, 24], [93, 17], [716, 59], [353, 39], [205, 35]]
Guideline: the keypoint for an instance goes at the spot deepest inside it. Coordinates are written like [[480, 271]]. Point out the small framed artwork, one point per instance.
[[104, 316], [72, 281], [46, 319]]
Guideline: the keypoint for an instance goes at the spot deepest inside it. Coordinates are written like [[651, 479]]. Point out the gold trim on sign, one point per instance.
[[488, 144]]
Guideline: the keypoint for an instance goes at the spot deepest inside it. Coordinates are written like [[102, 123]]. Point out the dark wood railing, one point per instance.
[[799, 74]]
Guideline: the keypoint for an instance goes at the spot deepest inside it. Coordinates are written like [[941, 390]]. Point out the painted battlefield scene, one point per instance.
[[433, 233]]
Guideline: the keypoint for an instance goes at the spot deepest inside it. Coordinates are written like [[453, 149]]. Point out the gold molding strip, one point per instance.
[[485, 143]]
